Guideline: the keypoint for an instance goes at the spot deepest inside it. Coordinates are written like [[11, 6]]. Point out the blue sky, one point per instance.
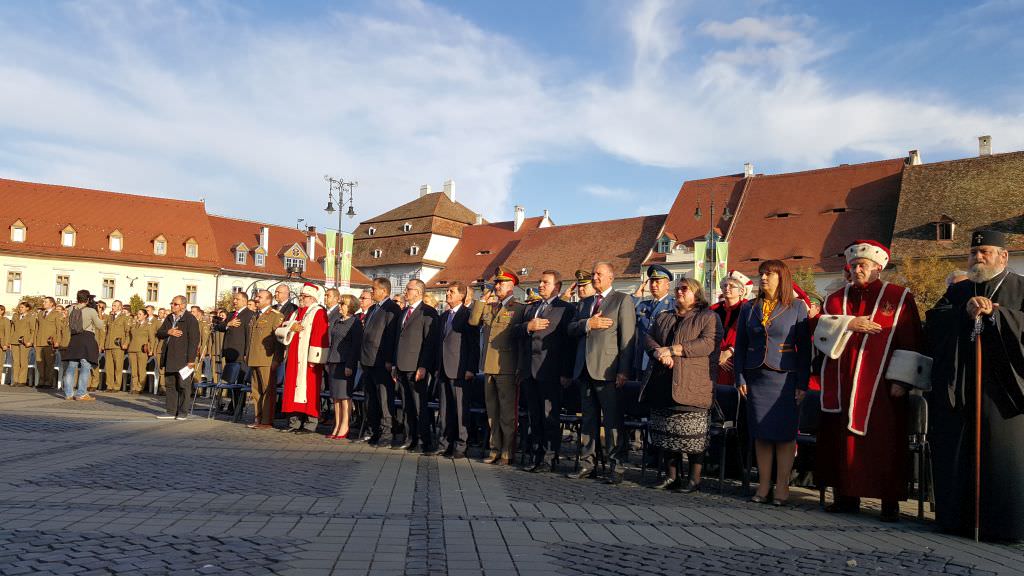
[[594, 109]]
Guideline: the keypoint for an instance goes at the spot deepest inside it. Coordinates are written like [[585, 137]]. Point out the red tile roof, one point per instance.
[[482, 248], [808, 218], [623, 243], [47, 209], [229, 232], [434, 204], [726, 191]]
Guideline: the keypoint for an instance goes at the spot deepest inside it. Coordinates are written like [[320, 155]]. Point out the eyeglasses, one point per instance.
[[682, 288]]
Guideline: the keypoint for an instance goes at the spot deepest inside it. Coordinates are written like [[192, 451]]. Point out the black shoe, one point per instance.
[[457, 456], [405, 445], [585, 472], [614, 476], [447, 452], [540, 466], [690, 487], [302, 431], [669, 484], [414, 449]]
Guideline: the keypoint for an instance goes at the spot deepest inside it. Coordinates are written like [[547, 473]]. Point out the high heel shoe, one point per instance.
[[690, 487], [776, 501], [757, 499], [669, 484]]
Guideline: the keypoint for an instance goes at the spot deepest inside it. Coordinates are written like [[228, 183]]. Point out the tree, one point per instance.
[[925, 278], [804, 278], [136, 303], [36, 302], [224, 300]]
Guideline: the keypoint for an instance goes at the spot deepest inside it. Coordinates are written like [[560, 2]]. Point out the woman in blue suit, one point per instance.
[[773, 361]]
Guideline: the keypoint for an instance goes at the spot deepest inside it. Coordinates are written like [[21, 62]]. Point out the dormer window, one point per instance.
[[241, 254], [406, 227], [377, 253], [259, 256], [67, 237], [944, 229], [371, 231], [483, 253], [160, 246], [116, 240], [191, 248], [664, 245], [18, 231], [414, 250]]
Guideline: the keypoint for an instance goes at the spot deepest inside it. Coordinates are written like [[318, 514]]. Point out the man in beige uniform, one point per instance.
[[23, 334], [47, 340], [101, 313], [263, 354], [497, 313], [115, 343], [5, 344]]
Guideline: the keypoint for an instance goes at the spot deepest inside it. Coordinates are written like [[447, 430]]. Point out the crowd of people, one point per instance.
[[861, 350]]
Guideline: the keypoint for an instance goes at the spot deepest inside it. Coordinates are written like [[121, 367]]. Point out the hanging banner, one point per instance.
[[345, 279], [330, 261], [721, 265], [700, 248]]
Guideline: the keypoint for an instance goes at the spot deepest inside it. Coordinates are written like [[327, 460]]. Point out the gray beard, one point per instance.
[[983, 273]]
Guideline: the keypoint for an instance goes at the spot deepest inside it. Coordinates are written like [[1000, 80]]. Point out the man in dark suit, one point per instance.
[[380, 334], [460, 358], [236, 334], [282, 301], [605, 325], [415, 359], [180, 334], [546, 366]]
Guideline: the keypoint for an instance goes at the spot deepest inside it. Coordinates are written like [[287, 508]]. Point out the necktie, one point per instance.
[[408, 312], [541, 308], [597, 303], [448, 323]]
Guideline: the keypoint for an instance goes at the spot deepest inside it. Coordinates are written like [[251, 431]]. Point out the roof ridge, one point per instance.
[[600, 222], [67, 187], [248, 221], [828, 168], [970, 158]]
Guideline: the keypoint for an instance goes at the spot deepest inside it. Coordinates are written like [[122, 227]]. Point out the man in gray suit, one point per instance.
[[415, 360], [605, 325]]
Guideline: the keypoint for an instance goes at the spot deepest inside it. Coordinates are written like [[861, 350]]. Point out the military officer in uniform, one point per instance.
[[141, 341], [23, 333], [5, 334], [115, 343], [659, 280], [263, 354], [101, 333], [497, 313], [47, 340]]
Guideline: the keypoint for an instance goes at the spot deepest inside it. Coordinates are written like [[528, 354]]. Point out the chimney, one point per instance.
[[520, 216], [265, 238], [449, 189], [748, 170], [424, 190], [547, 215], [479, 220], [914, 158], [311, 243], [984, 145]]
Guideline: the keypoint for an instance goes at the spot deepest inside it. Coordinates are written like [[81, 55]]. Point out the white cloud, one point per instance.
[[204, 100], [599, 191]]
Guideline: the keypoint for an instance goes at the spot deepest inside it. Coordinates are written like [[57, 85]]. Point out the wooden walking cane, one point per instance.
[[977, 430]]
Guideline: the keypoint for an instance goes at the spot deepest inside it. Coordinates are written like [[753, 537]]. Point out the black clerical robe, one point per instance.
[[952, 409]]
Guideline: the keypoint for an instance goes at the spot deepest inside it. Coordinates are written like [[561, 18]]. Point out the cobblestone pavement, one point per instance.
[[105, 488]]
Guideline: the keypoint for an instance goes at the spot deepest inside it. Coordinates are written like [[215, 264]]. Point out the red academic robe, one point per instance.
[[728, 315], [304, 369], [870, 463]]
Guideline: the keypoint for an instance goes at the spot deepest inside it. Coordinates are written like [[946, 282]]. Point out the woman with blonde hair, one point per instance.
[[684, 347], [772, 363]]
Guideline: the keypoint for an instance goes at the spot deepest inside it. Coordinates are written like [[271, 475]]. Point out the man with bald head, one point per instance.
[[282, 301], [180, 334], [605, 326]]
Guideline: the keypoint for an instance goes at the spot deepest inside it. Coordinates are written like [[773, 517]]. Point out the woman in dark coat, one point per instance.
[[684, 345], [346, 339], [82, 352], [772, 362]]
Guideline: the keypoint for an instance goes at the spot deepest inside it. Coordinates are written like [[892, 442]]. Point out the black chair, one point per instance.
[[725, 413], [473, 398], [233, 381], [807, 429], [636, 417], [523, 426], [571, 418], [921, 449]]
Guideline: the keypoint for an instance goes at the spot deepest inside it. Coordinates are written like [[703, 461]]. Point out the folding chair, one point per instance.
[[807, 428], [572, 419], [921, 449], [725, 415], [636, 417]]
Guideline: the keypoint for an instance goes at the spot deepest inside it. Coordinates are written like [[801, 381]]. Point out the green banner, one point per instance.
[[345, 278], [721, 270], [331, 259], [700, 248]]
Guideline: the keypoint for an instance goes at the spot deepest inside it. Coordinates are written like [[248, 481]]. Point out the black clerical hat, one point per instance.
[[988, 238]]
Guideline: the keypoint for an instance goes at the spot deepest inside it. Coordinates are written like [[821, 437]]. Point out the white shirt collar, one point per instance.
[[606, 292], [264, 309], [456, 309]]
